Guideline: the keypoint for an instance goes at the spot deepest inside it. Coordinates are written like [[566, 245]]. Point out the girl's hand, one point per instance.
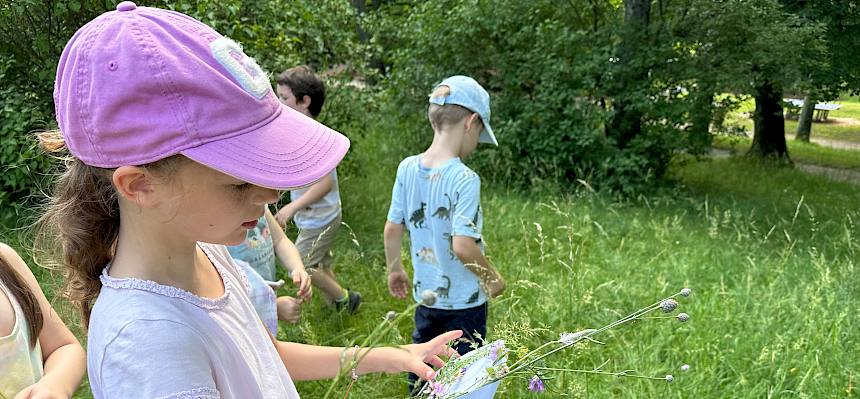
[[429, 352], [285, 215], [42, 390], [302, 280], [289, 309]]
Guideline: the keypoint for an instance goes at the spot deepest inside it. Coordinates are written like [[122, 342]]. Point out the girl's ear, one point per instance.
[[135, 185]]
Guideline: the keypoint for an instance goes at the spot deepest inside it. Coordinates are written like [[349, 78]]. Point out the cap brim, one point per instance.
[[487, 136], [288, 151]]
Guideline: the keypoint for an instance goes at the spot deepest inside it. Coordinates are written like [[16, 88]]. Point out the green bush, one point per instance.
[[278, 33], [23, 164], [550, 74]]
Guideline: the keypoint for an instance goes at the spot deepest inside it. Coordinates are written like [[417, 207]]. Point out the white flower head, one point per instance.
[[686, 291], [569, 338], [683, 317], [669, 378], [685, 367], [428, 298]]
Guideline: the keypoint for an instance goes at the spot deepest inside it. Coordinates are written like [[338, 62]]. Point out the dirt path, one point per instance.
[[845, 145], [846, 175]]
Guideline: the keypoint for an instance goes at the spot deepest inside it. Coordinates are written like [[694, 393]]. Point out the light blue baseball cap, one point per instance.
[[466, 92]]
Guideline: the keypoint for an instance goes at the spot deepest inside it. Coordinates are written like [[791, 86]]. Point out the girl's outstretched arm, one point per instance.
[[308, 362], [64, 358]]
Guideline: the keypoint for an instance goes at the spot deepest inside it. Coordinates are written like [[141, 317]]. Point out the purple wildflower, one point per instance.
[[436, 388], [494, 350], [536, 385]]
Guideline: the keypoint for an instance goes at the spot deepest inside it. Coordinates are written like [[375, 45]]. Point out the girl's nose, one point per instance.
[[266, 196]]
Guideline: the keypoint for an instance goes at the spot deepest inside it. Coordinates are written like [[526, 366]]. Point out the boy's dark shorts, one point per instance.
[[430, 322]]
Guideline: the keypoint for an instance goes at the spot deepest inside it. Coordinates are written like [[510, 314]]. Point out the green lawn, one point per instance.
[[832, 129], [806, 153], [770, 254]]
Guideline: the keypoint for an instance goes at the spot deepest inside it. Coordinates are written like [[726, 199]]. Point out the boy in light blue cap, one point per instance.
[[438, 199]]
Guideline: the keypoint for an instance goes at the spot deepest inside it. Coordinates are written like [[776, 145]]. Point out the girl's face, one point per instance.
[[211, 206]]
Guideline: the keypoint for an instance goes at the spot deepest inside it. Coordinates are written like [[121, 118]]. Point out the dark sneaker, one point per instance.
[[351, 304]]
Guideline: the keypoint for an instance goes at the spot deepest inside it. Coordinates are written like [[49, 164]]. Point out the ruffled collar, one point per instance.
[[171, 291]]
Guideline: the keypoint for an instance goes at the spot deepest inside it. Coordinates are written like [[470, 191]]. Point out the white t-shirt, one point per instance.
[[148, 340], [320, 213]]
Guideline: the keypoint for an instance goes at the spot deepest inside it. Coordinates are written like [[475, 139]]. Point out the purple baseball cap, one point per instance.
[[140, 84]]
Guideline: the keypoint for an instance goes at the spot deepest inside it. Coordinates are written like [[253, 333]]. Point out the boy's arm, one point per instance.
[[468, 251], [289, 255], [315, 193], [398, 280]]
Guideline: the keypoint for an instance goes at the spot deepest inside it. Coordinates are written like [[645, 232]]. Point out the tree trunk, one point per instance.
[[626, 122], [769, 125], [699, 132], [804, 121]]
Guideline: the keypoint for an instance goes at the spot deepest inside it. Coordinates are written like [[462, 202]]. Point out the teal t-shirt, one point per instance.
[[437, 204], [257, 250]]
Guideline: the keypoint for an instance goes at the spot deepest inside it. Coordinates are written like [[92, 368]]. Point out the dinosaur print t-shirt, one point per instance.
[[436, 205]]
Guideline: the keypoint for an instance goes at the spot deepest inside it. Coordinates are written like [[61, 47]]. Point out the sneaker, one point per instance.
[[350, 304]]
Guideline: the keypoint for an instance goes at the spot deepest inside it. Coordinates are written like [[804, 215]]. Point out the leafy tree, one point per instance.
[[838, 71], [748, 47]]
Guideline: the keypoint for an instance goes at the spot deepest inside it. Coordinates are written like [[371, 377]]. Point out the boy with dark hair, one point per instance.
[[315, 209], [437, 198]]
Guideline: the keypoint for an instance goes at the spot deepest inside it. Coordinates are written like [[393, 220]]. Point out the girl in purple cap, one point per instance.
[[177, 144]]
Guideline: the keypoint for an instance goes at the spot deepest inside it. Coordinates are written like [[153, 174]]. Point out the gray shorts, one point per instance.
[[315, 245]]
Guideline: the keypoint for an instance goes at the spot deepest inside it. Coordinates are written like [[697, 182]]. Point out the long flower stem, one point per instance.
[[617, 374], [523, 363], [379, 330]]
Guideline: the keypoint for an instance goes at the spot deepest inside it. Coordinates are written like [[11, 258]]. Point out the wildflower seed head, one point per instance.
[[683, 317], [668, 305], [428, 298], [685, 367], [570, 338], [391, 315], [566, 338], [669, 378], [686, 291]]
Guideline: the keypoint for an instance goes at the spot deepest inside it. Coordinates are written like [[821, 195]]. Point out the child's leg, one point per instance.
[[315, 247], [323, 282], [427, 326], [473, 322]]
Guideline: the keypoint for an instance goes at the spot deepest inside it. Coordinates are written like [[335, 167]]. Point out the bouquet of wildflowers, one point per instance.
[[477, 374]]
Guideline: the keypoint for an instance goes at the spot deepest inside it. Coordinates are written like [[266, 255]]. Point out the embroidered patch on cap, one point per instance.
[[246, 71]]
